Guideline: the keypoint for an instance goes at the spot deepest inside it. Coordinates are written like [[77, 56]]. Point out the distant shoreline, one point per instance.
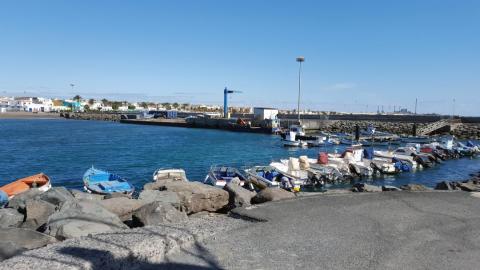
[[28, 115]]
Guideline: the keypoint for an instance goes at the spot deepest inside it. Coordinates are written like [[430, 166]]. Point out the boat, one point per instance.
[[290, 141], [299, 172], [269, 176], [416, 139], [38, 181], [103, 182], [170, 174], [297, 129], [219, 176], [320, 141]]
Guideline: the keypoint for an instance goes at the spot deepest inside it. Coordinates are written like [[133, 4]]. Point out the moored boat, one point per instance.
[[219, 176], [39, 181], [169, 174], [103, 182]]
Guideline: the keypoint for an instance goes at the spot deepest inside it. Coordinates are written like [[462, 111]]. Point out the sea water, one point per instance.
[[65, 149]]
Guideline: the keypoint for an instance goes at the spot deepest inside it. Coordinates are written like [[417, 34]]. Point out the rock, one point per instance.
[[414, 187], [57, 196], [158, 213], [81, 218], [362, 187], [122, 207], [117, 195], [16, 240], [158, 184], [238, 196], [468, 186], [18, 202], [80, 195], [272, 194], [390, 188], [10, 217], [159, 196], [37, 213], [196, 197], [444, 185]]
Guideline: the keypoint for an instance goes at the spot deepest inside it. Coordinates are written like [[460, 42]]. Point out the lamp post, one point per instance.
[[300, 60]]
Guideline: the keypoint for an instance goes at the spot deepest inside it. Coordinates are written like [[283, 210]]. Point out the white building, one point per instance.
[[261, 113]]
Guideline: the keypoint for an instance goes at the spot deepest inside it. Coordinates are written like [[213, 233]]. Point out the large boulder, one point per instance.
[[57, 196], [80, 195], [196, 197], [161, 182], [121, 206], [158, 213], [469, 186], [117, 195], [164, 196], [272, 194], [390, 188], [414, 187], [362, 187], [10, 217], [16, 240], [444, 185], [18, 201], [81, 218], [238, 196], [37, 213]]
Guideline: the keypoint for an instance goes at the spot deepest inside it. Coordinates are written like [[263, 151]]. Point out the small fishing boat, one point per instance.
[[290, 141], [170, 174], [269, 176], [219, 176], [39, 181], [103, 182]]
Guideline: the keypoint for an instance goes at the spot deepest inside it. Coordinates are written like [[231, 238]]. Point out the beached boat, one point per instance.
[[219, 176], [290, 141], [103, 182], [169, 174], [39, 181], [269, 176]]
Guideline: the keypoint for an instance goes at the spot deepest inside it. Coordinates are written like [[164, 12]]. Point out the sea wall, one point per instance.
[[464, 130]]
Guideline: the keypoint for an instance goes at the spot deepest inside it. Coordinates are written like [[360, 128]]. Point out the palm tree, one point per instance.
[[77, 98], [105, 101], [144, 105], [91, 101]]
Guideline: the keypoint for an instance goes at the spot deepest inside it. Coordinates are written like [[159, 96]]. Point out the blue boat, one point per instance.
[[102, 182]]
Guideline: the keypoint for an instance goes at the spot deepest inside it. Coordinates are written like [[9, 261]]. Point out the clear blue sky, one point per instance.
[[358, 53]]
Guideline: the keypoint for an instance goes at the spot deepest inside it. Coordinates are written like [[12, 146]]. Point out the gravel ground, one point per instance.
[[140, 248]]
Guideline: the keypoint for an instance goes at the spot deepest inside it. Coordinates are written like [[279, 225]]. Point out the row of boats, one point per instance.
[[291, 174]]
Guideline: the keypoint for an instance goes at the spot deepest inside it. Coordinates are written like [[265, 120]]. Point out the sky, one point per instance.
[[359, 55]]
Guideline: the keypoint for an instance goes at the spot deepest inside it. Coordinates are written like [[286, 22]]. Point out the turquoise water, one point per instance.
[[65, 149]]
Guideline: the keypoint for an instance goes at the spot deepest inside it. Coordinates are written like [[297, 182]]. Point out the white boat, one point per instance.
[[401, 153], [297, 129], [169, 174], [219, 176], [290, 141]]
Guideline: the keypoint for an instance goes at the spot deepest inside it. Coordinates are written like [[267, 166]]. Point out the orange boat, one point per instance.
[[40, 181]]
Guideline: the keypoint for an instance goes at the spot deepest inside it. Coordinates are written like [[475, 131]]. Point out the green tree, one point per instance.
[[116, 105], [144, 105], [91, 101], [175, 105], [131, 107], [105, 101], [77, 98], [86, 107]]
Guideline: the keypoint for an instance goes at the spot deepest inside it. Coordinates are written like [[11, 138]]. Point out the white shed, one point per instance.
[[262, 113]]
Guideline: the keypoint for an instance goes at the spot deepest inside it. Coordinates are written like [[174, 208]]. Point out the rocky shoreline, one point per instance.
[[168, 215]]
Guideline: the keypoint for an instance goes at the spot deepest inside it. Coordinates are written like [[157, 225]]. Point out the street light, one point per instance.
[[300, 60]]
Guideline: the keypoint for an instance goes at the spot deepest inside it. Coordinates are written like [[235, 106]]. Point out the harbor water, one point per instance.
[[65, 149]]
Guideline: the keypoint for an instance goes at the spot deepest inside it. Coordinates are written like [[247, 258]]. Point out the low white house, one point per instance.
[[261, 113]]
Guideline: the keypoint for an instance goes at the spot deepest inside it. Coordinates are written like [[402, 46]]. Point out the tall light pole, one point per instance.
[[300, 60]]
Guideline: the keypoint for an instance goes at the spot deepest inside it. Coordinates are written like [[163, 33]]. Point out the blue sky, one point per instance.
[[359, 54]]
